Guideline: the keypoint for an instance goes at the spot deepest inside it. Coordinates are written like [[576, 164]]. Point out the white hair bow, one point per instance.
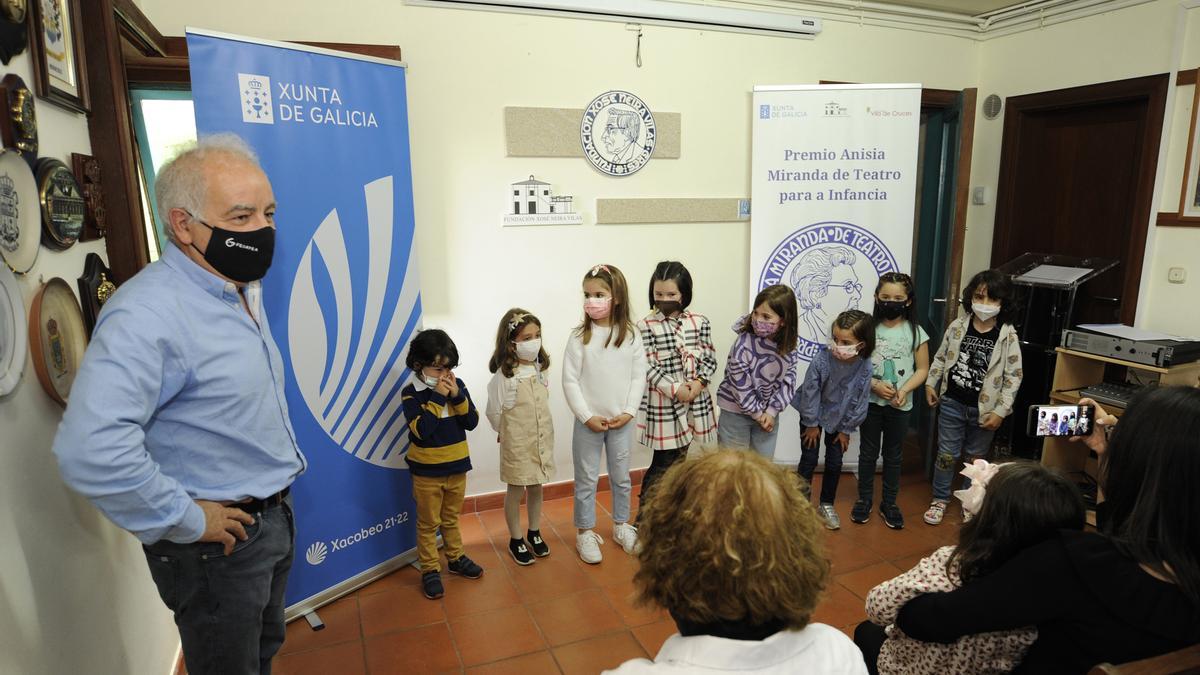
[[980, 472]]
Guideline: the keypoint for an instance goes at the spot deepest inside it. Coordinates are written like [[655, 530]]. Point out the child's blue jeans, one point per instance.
[[958, 431]]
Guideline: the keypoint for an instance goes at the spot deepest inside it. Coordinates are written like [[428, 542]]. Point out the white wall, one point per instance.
[[1172, 307], [75, 593], [1116, 45], [460, 80]]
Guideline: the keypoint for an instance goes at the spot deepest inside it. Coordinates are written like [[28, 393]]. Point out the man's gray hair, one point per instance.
[[181, 184]]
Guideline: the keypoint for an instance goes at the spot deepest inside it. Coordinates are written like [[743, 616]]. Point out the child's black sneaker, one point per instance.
[[431, 585], [540, 549], [860, 512], [892, 516], [466, 567], [520, 551]]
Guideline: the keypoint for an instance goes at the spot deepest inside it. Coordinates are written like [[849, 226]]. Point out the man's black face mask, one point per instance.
[[241, 256]]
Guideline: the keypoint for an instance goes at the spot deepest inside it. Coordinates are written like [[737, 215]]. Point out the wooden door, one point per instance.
[[1076, 178]]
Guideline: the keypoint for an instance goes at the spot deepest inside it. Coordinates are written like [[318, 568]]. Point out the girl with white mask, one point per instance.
[[974, 377], [518, 408]]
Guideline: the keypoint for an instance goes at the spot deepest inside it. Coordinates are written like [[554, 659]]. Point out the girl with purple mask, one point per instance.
[[760, 373]]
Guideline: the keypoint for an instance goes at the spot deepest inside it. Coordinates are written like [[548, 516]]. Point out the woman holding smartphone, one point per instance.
[[1129, 591]]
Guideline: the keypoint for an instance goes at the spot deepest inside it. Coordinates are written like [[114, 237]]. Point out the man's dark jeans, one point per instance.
[[229, 609]]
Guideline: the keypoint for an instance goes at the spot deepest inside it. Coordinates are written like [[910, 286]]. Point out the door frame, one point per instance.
[[945, 99], [925, 421], [1153, 90], [962, 198]]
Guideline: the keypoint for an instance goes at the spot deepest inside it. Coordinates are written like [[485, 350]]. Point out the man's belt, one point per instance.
[[260, 505]]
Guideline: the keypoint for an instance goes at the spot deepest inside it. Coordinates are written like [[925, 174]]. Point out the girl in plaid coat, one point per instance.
[[676, 409]]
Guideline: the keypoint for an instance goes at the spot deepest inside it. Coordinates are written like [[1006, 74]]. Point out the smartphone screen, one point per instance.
[[1060, 420]]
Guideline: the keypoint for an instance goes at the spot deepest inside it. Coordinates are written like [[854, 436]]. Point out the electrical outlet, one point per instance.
[[1177, 275]]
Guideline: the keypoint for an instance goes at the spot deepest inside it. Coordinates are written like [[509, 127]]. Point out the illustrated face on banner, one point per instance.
[[844, 290], [826, 285], [827, 265]]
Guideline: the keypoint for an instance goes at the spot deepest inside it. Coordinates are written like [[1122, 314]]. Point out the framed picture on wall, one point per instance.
[[1189, 195], [58, 53]]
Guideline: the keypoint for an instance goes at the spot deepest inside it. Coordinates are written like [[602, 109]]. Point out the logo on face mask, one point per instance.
[[230, 261], [230, 243]]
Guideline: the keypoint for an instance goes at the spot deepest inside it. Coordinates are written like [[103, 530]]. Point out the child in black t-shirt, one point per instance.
[[975, 376]]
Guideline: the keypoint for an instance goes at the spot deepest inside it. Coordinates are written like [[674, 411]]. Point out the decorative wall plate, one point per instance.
[[58, 337], [62, 203], [20, 213], [14, 337]]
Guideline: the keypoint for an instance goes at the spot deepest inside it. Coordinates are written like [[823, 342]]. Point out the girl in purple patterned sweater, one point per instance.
[[760, 373]]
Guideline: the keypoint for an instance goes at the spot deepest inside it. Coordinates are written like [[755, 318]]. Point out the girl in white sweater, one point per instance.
[[604, 375]]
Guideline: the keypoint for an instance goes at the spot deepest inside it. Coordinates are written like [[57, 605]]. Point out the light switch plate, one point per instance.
[[979, 195]]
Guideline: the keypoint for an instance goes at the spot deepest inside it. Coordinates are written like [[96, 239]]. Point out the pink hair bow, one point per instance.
[[980, 472], [597, 268]]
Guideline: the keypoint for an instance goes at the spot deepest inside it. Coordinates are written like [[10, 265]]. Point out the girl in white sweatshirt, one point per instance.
[[604, 375]]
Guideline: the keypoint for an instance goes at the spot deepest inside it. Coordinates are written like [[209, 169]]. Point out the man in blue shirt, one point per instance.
[[177, 427]]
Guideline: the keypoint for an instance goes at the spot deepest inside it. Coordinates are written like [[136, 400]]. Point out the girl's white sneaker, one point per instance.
[[626, 535], [588, 545]]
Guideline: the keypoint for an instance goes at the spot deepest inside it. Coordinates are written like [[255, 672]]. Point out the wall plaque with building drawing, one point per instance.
[[533, 202]]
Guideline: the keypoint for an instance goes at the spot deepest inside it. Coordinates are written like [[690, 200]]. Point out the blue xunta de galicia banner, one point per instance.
[[342, 295]]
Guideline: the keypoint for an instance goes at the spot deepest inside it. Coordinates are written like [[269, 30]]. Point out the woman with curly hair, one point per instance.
[[732, 549]]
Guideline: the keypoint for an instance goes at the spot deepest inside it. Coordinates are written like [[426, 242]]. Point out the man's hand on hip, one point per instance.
[[224, 524]]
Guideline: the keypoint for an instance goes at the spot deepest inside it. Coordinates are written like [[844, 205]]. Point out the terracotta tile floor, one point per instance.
[[560, 615]]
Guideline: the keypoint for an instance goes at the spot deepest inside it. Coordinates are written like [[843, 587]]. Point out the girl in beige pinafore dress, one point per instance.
[[518, 408]]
